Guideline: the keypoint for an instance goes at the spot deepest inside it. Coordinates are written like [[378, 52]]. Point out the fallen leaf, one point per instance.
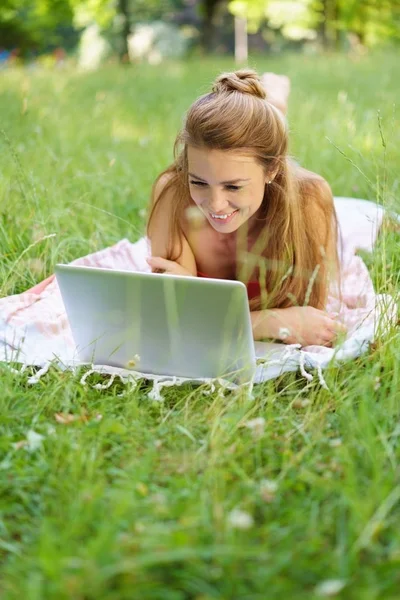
[[64, 418], [20, 444]]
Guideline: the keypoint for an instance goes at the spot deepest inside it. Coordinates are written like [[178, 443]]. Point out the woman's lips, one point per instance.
[[223, 221]]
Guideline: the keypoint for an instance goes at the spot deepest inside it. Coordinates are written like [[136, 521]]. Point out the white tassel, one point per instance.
[[291, 351], [104, 386], [86, 375], [210, 390], [155, 393], [303, 371], [36, 378], [321, 378]]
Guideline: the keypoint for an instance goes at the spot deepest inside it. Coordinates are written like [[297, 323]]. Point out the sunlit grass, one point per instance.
[[199, 496]]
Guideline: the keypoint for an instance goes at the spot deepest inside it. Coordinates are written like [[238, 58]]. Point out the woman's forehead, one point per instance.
[[220, 159]]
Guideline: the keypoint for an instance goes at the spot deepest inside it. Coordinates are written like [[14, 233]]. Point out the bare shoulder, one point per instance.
[[164, 181], [314, 187], [164, 227]]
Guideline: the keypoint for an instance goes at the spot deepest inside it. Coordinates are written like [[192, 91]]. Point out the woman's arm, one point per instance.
[[303, 325], [159, 234]]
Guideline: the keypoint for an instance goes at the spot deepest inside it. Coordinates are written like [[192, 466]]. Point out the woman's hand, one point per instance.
[[169, 267], [278, 89], [303, 325]]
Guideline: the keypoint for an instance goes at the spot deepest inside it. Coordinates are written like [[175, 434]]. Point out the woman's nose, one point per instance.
[[217, 201]]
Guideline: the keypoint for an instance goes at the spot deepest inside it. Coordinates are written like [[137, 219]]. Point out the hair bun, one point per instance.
[[245, 81]]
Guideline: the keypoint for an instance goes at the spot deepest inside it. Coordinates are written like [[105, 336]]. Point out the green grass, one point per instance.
[[137, 504]]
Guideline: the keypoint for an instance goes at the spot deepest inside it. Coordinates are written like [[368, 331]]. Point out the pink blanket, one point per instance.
[[34, 329]]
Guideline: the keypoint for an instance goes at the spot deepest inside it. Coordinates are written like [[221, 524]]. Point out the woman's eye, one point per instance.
[[233, 188], [199, 183]]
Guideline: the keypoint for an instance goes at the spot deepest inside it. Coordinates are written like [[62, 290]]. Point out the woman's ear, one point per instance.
[[269, 178]]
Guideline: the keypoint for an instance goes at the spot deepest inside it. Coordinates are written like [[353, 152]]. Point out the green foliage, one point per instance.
[[372, 21], [136, 499], [104, 12], [33, 24]]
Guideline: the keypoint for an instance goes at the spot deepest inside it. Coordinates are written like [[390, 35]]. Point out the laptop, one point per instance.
[[160, 324]]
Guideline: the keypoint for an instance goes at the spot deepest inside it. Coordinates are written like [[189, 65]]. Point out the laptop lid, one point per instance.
[[183, 326]]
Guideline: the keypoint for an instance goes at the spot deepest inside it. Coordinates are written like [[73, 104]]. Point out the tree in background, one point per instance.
[[36, 24], [372, 21], [41, 25], [118, 17]]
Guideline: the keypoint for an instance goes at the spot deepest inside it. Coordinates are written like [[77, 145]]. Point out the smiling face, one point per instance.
[[228, 187]]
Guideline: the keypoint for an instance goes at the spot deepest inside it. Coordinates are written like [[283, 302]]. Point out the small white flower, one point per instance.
[[195, 216], [34, 440], [269, 485], [134, 361], [330, 587], [51, 430], [301, 402], [283, 333], [239, 519], [335, 443], [268, 489], [256, 425]]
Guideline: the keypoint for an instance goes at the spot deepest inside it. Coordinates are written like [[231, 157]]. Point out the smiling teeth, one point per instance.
[[221, 216]]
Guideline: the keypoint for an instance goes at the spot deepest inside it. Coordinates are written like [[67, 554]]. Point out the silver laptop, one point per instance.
[[160, 324]]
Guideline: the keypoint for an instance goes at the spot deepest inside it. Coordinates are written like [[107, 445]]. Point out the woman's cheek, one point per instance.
[[196, 196]]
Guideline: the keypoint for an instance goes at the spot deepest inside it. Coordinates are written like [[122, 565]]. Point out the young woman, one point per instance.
[[235, 206]]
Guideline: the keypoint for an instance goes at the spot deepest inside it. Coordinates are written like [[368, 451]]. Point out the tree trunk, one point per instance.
[[335, 21], [328, 29], [241, 45], [209, 8], [123, 12], [323, 26]]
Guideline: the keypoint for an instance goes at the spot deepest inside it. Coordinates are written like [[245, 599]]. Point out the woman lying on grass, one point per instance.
[[235, 206]]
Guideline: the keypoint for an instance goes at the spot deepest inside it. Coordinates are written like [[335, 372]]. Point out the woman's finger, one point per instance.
[[156, 262], [337, 328], [169, 267]]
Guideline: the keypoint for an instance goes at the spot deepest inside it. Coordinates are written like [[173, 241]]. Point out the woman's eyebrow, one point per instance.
[[222, 182]]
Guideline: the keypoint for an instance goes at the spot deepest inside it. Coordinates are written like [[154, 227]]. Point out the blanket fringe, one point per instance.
[[36, 378], [310, 377]]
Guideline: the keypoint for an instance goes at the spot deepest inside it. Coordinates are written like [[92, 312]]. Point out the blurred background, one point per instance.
[[93, 92], [90, 33]]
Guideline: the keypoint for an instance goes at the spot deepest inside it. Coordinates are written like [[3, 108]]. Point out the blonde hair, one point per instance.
[[297, 226]]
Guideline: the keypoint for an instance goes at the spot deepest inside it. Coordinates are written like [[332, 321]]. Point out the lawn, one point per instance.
[[184, 499]]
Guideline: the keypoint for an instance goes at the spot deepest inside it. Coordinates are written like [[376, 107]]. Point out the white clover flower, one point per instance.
[[34, 440], [330, 587], [335, 442], [256, 425], [377, 383], [134, 361], [238, 519], [283, 333], [269, 485], [268, 489]]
